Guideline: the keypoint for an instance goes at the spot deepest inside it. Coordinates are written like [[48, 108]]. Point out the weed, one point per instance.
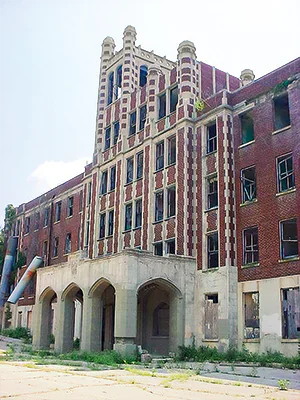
[[283, 384], [17, 333], [253, 372]]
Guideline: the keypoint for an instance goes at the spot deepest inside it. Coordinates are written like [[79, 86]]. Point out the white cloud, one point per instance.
[[52, 173]]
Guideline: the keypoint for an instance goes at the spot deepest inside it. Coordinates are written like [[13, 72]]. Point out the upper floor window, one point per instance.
[[27, 225], [118, 82], [247, 127], [55, 246], [89, 193], [171, 196], [139, 165], [70, 206], [80, 200], [281, 112], [248, 180], [103, 184], [68, 243], [172, 150], [158, 248], [211, 138], [173, 99], [107, 138], [46, 216], [159, 156], [110, 223], [138, 213], [212, 192], [102, 226], [116, 131], [162, 105], [159, 206], [112, 185], [143, 75], [250, 246], [289, 238], [285, 173], [57, 211], [170, 246], [132, 123], [129, 173], [213, 250], [143, 114], [110, 88], [128, 216], [37, 221]]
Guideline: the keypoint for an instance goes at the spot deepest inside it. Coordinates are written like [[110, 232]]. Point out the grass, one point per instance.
[[17, 333]]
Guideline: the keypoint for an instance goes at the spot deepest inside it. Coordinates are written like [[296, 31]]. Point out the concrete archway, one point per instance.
[[160, 317], [47, 300]]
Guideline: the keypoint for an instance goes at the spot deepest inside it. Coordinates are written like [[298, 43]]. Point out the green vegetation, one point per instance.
[[17, 333], [283, 384]]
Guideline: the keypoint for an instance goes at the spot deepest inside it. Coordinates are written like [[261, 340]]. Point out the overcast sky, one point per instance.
[[50, 56]]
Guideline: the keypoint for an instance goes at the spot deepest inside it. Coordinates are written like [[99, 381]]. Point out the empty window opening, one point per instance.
[[112, 185], [173, 99], [102, 226], [161, 320], [110, 223], [139, 165], [212, 251], [162, 106], [128, 217], [129, 173], [103, 184], [248, 180], [211, 138], [250, 242], [143, 75], [159, 156], [116, 131], [289, 238], [211, 316], [247, 127], [87, 234], [37, 221], [171, 192], [170, 247], [45, 251], [80, 200], [143, 114], [68, 243], [282, 112], [251, 315], [118, 87], [27, 225], [172, 150], [70, 206], [110, 88], [46, 216], [138, 213], [89, 196], [57, 211], [107, 138], [55, 247], [158, 248], [159, 206], [212, 193], [291, 313], [132, 123], [285, 173]]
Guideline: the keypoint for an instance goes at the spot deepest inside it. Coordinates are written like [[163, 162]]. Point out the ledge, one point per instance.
[[246, 144], [212, 152], [211, 209], [254, 340], [281, 130], [289, 340], [285, 192], [214, 269], [247, 203], [284, 260], [250, 265], [210, 340]]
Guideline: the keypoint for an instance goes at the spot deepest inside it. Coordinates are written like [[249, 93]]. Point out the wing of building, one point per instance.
[[186, 224]]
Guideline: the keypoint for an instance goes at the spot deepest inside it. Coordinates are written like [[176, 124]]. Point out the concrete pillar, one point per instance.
[[176, 335], [92, 324], [65, 325]]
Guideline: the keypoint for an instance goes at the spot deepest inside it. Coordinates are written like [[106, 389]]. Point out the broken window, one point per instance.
[[211, 138], [173, 99], [143, 114], [110, 222], [170, 246], [250, 246], [37, 221], [289, 239], [247, 127], [89, 196], [116, 131], [211, 316], [129, 173], [70, 206], [159, 206], [161, 320], [212, 250], [281, 111], [107, 138], [103, 184], [291, 313], [162, 106], [68, 243], [248, 179], [172, 150], [171, 196], [128, 216], [138, 213], [112, 184], [285, 173], [139, 165], [159, 156], [143, 75], [132, 123], [110, 88], [55, 247], [118, 87], [57, 211], [158, 248], [251, 315], [45, 250], [212, 192], [102, 226]]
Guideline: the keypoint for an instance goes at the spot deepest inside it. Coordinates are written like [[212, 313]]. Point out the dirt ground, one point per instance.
[[28, 381]]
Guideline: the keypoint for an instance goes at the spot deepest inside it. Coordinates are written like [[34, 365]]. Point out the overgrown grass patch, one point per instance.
[[17, 333]]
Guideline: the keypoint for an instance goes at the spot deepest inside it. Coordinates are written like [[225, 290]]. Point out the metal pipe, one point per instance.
[[7, 267], [28, 275]]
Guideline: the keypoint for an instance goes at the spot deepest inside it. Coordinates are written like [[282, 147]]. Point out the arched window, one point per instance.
[[161, 320], [143, 75], [110, 88], [119, 82]]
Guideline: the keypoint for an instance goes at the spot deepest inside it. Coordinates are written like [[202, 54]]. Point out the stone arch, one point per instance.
[[48, 303]]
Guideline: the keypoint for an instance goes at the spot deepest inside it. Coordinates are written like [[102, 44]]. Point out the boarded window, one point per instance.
[[251, 314], [211, 316], [248, 180], [247, 128], [291, 313], [282, 112], [161, 320]]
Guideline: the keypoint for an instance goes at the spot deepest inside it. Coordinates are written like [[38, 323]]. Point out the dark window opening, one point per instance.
[[173, 99], [159, 206], [143, 75], [291, 313], [212, 250], [139, 165], [110, 223], [80, 200], [57, 211], [89, 199], [45, 251], [118, 87], [37, 221], [68, 244], [128, 217], [112, 185], [161, 317], [103, 185], [129, 173], [162, 106], [212, 194], [250, 241], [282, 112], [158, 249], [107, 138], [143, 114], [285, 173], [247, 127], [170, 247], [171, 201], [116, 131], [159, 156], [138, 213], [110, 88], [27, 225], [132, 123], [55, 247], [102, 226], [172, 150], [251, 315], [289, 238], [211, 138], [70, 206], [248, 179], [87, 233]]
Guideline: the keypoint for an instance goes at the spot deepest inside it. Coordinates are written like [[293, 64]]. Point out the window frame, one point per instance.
[[128, 217], [57, 211], [116, 126], [278, 123], [110, 224], [172, 150], [107, 138], [68, 243], [171, 213], [247, 123], [282, 241], [103, 183], [70, 206], [155, 248], [158, 214], [142, 116], [173, 104], [289, 176], [132, 123], [160, 156], [112, 178], [139, 164], [138, 220], [129, 169], [162, 106], [212, 196], [102, 225], [214, 251], [246, 196], [55, 246], [211, 148], [253, 248]]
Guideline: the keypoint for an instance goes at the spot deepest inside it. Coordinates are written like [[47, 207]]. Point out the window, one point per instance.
[[70, 206], [290, 304], [102, 226], [251, 315], [128, 217], [173, 99], [139, 165], [68, 243], [57, 211], [138, 213], [143, 114], [116, 131], [162, 106], [161, 316], [89, 199], [247, 127], [159, 206], [170, 247], [143, 75], [78, 238], [132, 123], [281, 111], [212, 192], [212, 251], [107, 138], [110, 88], [103, 184], [55, 247], [112, 185], [36, 221], [172, 150], [289, 239], [171, 193], [110, 223], [211, 138], [159, 156], [80, 200], [158, 248], [87, 233], [129, 173], [248, 180], [285, 173], [211, 317], [250, 243], [118, 86], [45, 249]]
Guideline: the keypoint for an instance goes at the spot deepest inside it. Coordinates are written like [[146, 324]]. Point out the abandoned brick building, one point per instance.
[[185, 225]]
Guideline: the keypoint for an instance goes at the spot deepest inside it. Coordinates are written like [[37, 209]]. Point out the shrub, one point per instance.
[[17, 333]]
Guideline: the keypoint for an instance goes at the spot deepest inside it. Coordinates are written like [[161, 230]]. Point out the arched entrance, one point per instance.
[[160, 317], [102, 315], [48, 300]]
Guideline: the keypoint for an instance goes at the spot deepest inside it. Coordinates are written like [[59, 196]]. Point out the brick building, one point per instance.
[[185, 225]]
